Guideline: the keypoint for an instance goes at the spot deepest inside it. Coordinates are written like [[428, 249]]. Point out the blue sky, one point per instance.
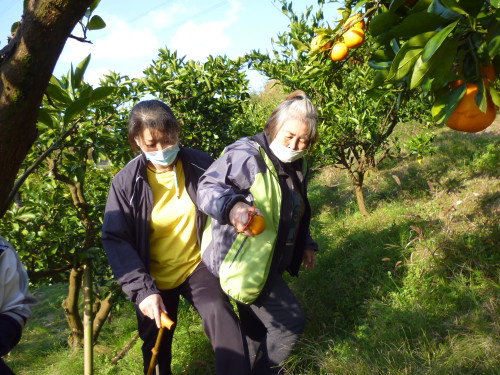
[[137, 29]]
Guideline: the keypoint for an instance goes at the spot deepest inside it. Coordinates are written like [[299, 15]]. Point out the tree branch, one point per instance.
[[35, 165]]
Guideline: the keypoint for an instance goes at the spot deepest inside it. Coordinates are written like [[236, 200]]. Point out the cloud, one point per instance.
[[121, 42], [197, 41], [127, 46]]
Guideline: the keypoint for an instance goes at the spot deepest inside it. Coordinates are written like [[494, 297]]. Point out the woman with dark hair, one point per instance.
[[265, 174], [152, 233]]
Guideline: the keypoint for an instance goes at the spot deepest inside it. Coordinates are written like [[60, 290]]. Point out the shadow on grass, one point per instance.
[[398, 315]]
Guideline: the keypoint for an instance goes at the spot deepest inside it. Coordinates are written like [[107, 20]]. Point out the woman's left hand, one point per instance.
[[309, 259]]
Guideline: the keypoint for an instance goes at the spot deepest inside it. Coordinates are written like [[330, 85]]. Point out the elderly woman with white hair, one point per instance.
[[265, 175]]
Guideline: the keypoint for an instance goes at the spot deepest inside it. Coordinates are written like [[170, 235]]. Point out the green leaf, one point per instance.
[[94, 5], [494, 96], [395, 5], [494, 44], [379, 78], [470, 7], [382, 55], [408, 55], [14, 27], [299, 46], [376, 93], [80, 71], [55, 92], [434, 66], [75, 108], [403, 62], [453, 6], [96, 23], [435, 42], [101, 93], [382, 22], [495, 3], [445, 61], [444, 105], [437, 8], [418, 23], [481, 97], [44, 117]]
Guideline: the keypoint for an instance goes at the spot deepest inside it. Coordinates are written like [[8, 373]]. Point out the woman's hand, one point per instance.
[[309, 259], [238, 217], [152, 306]]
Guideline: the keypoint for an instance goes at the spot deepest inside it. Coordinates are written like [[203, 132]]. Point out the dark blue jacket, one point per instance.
[[125, 231]]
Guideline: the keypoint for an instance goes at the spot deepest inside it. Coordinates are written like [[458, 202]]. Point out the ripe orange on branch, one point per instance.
[[467, 116], [360, 24], [488, 72], [315, 44], [354, 37], [339, 51]]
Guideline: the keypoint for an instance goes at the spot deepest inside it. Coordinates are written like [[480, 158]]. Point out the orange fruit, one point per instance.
[[360, 24], [339, 51], [257, 224], [467, 117], [315, 44], [326, 46], [456, 83], [354, 37], [488, 72]]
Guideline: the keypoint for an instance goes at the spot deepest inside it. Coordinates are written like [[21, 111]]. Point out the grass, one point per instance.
[[413, 289]]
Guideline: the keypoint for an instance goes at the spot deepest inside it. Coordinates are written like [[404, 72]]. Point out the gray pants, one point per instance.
[[272, 326]]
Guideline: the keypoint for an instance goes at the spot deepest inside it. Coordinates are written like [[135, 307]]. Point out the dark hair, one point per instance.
[[151, 114], [296, 106]]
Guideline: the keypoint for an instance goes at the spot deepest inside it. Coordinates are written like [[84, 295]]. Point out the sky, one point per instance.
[[135, 30]]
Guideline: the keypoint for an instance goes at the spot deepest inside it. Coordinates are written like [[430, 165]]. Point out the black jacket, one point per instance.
[[125, 231]]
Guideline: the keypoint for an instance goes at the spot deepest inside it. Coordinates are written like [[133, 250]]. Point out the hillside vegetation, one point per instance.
[[413, 289]]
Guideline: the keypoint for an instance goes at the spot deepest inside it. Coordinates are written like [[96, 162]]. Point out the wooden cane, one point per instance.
[[167, 323]]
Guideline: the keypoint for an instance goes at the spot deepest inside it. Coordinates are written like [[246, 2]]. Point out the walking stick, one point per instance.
[[167, 323]]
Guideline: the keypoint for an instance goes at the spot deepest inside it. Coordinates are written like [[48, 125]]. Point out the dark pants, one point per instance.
[[273, 325], [220, 323], [10, 334]]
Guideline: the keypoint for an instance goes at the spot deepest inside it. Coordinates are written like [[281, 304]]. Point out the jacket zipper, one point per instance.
[[238, 252]]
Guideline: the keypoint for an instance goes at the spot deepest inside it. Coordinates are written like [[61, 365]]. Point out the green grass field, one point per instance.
[[413, 289]]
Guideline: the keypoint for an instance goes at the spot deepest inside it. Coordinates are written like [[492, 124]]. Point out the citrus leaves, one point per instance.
[[72, 94], [407, 56], [427, 44]]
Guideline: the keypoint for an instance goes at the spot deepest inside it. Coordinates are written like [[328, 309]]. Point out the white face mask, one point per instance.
[[164, 157], [285, 154]]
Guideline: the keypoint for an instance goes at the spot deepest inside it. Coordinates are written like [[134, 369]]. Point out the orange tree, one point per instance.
[[442, 47], [354, 127]]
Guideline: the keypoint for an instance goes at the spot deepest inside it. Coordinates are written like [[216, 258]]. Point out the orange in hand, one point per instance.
[[257, 224]]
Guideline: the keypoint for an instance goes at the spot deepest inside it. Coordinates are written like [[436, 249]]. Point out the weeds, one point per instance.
[[413, 289]]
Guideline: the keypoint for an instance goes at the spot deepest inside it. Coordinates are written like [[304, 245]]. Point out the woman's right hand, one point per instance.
[[238, 217], [152, 306]]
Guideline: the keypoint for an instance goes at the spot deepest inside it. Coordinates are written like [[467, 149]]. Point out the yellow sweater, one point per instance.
[[174, 248]]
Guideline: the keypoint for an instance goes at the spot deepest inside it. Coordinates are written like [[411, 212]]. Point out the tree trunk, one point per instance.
[[26, 65], [361, 200], [70, 306], [102, 314], [357, 181]]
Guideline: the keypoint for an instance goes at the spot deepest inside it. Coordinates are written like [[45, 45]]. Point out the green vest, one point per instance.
[[244, 270]]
